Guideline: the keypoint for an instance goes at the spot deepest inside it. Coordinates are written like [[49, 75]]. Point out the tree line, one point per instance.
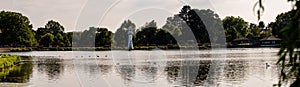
[[189, 26]]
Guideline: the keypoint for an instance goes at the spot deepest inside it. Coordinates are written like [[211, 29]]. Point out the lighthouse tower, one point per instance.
[[130, 33]]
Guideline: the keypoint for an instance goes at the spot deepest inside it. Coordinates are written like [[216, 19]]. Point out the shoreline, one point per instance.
[[28, 49]]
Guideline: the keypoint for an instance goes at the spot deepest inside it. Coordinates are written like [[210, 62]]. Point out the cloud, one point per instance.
[[41, 11], [81, 14]]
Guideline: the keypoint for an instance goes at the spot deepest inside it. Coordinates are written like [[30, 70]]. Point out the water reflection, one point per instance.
[[100, 68], [52, 67], [235, 70], [18, 74], [188, 73], [173, 69], [148, 72], [142, 70], [202, 72], [127, 72]]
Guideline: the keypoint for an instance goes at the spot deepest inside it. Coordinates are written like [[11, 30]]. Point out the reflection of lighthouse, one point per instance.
[[130, 33]]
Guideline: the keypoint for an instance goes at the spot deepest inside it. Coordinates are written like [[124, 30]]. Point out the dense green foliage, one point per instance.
[[150, 35], [47, 39], [192, 25], [16, 30], [103, 37], [53, 35], [8, 60], [235, 27]]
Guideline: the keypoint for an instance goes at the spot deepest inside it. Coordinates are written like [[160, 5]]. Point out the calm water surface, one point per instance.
[[240, 67]]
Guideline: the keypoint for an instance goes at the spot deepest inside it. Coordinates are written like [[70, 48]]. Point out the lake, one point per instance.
[[231, 67]]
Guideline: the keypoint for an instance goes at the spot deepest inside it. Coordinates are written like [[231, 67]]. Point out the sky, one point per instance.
[[77, 15]]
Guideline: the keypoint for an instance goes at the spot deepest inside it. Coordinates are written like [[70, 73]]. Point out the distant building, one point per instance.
[[270, 41], [242, 41]]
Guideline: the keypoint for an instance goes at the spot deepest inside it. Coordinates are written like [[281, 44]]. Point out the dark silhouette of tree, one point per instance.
[[103, 37], [196, 25], [261, 25], [281, 21], [40, 32], [150, 35], [57, 30], [235, 27], [163, 38], [146, 36], [54, 27], [47, 40], [16, 30]]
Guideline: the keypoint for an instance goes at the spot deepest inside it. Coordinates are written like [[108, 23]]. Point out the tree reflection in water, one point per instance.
[[127, 72], [188, 73], [148, 73], [53, 67], [173, 69], [235, 70], [18, 74], [103, 69]]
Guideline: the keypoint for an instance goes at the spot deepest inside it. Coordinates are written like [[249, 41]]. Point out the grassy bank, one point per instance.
[[8, 60]]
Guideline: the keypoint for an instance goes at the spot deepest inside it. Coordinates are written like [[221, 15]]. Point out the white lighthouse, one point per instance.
[[130, 33]]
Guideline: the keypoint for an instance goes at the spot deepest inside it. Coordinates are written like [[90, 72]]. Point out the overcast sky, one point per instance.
[[81, 14]]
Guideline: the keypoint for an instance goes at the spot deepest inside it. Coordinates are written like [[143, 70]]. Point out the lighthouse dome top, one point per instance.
[[130, 30]]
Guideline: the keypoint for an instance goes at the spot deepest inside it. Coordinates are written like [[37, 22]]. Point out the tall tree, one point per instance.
[[280, 22], [235, 27], [16, 30], [103, 37], [54, 27], [57, 30], [195, 24]]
